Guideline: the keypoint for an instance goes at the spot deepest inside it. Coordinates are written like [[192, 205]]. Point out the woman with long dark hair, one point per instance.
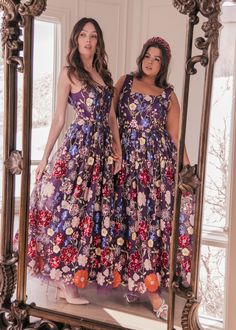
[[72, 201], [148, 113]]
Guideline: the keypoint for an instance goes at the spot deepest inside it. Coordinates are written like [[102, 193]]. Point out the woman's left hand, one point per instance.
[[118, 164], [117, 155]]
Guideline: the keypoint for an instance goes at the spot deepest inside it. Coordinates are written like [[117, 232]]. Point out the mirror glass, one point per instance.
[[50, 43], [51, 36]]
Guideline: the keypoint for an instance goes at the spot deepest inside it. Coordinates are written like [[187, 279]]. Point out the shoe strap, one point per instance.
[[161, 309]]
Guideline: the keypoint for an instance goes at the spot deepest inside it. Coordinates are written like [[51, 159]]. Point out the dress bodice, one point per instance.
[[91, 104], [140, 111]]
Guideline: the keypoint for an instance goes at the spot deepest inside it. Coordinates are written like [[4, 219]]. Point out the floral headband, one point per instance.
[[159, 41]]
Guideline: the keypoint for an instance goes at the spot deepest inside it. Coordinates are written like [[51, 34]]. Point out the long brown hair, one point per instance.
[[161, 77], [75, 64]]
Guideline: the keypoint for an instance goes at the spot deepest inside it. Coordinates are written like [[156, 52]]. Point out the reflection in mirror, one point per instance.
[[111, 307], [104, 305], [46, 297], [216, 221]]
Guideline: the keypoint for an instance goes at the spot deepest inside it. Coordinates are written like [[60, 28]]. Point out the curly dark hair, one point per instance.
[[75, 65], [161, 77]]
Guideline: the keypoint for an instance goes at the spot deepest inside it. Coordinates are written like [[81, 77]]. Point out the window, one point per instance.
[[44, 76], [215, 220]]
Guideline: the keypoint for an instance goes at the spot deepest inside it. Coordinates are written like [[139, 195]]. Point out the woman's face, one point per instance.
[[87, 40], [151, 63]]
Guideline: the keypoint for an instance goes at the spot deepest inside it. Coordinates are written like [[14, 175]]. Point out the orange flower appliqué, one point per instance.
[[117, 279], [151, 282], [81, 279]]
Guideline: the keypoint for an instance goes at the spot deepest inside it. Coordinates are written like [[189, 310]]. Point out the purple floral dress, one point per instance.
[[145, 194], [71, 207]]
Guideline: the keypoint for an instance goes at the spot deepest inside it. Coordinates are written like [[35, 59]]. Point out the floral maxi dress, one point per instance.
[[145, 194], [71, 207]]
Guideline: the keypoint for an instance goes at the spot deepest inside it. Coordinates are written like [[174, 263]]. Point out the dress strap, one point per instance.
[[168, 91], [127, 83]]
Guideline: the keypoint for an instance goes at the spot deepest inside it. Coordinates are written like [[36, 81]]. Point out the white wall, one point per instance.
[[126, 25]]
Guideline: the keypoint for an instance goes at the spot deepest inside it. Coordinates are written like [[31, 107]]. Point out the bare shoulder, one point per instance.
[[64, 74], [174, 98], [173, 103], [64, 82], [120, 81]]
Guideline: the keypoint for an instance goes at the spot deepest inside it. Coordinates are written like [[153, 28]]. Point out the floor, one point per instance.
[[107, 306]]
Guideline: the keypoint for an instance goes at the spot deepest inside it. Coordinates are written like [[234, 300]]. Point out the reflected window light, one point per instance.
[[214, 250]]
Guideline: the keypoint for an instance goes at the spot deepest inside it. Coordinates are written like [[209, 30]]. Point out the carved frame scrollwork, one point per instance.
[[16, 14], [19, 15], [192, 178]]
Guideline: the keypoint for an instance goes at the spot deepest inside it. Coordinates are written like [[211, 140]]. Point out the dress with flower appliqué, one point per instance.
[[71, 206], [144, 194]]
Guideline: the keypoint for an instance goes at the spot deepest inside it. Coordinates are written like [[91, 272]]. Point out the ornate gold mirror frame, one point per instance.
[[18, 19]]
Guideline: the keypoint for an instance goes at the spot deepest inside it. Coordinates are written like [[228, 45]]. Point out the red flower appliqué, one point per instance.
[[135, 261], [96, 172], [44, 218], [97, 240], [106, 191], [59, 169], [68, 254], [168, 227], [86, 225], [32, 217], [169, 173], [121, 177], [133, 195], [158, 193], [77, 191], [59, 239], [184, 241], [117, 227], [144, 177], [165, 259], [187, 265], [143, 230], [54, 262], [106, 257], [32, 248]]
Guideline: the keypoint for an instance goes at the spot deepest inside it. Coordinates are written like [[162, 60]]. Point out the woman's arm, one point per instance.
[[113, 123], [118, 86], [173, 124], [116, 145], [63, 89]]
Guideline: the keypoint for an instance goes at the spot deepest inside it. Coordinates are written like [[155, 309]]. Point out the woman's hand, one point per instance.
[[118, 164], [117, 155], [40, 169]]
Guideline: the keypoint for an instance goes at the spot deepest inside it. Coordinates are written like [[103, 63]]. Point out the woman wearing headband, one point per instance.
[[148, 112]]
